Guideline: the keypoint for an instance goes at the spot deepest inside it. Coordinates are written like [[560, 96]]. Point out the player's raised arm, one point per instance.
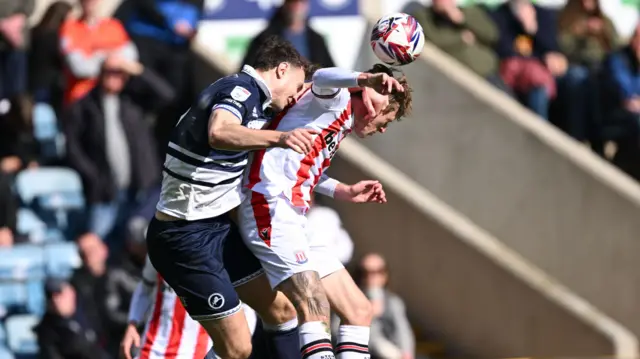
[[328, 81], [226, 132]]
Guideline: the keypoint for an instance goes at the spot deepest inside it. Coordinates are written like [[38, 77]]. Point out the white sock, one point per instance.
[[284, 327], [353, 342], [315, 341]]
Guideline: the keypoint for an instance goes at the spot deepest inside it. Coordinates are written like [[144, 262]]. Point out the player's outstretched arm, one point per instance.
[[368, 191], [362, 192], [326, 186], [227, 133]]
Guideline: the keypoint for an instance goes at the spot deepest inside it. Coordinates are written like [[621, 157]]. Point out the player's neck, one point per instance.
[[267, 77]]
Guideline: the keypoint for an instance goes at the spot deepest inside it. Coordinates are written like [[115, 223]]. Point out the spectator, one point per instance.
[[121, 281], [291, 21], [89, 283], [468, 34], [18, 148], [163, 30], [586, 36], [621, 75], [14, 40], [391, 334], [45, 60], [529, 53], [86, 42], [111, 145], [8, 211], [60, 334]]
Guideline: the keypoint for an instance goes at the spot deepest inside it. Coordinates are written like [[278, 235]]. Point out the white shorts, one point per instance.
[[276, 232]]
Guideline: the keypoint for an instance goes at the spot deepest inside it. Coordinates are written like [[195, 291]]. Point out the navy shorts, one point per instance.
[[202, 261]]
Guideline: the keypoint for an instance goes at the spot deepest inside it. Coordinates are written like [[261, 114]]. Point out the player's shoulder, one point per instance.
[[232, 88], [239, 86]]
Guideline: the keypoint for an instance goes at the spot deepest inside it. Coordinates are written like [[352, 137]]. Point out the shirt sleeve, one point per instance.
[[149, 274], [238, 98], [330, 86], [621, 76], [141, 299], [326, 185]]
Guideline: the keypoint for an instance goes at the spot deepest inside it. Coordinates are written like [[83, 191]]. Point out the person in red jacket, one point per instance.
[[86, 42]]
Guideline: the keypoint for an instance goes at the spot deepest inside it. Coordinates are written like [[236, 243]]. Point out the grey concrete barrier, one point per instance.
[[544, 195], [473, 291]]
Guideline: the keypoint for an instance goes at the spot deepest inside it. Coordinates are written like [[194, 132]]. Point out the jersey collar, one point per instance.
[[263, 85]]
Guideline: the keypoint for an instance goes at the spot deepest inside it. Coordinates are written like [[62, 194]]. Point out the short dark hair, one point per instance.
[[275, 50], [400, 101]]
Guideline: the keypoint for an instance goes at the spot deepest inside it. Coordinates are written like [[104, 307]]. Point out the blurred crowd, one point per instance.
[[86, 107], [566, 65]]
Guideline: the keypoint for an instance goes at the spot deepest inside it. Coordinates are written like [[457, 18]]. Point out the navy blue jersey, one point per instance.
[[200, 181]]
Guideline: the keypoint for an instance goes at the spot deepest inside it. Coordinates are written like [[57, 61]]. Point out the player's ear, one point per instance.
[[282, 69]]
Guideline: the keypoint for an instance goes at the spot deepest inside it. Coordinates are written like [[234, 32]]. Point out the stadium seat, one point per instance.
[[30, 225], [5, 353], [45, 130], [3, 335], [21, 338], [51, 191], [13, 297], [21, 262], [62, 187], [36, 301], [61, 259]]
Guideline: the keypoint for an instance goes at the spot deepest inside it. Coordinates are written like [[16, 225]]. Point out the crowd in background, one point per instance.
[[86, 108], [566, 65]]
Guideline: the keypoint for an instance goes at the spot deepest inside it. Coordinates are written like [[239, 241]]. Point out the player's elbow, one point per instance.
[[215, 139], [219, 137]]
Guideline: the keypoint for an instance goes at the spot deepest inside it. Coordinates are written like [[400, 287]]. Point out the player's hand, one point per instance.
[[362, 192], [131, 339], [380, 82], [300, 140], [374, 102]]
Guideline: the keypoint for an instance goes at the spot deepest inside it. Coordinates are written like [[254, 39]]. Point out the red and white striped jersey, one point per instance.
[[170, 333], [281, 171]]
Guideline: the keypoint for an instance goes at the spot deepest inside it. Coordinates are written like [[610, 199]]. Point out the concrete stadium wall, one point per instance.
[[542, 194], [477, 305]]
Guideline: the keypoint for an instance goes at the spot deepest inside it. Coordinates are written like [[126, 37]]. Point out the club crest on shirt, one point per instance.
[[256, 124], [301, 257], [240, 94], [265, 234]]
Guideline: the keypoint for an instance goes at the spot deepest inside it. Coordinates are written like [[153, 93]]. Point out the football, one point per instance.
[[397, 39]]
